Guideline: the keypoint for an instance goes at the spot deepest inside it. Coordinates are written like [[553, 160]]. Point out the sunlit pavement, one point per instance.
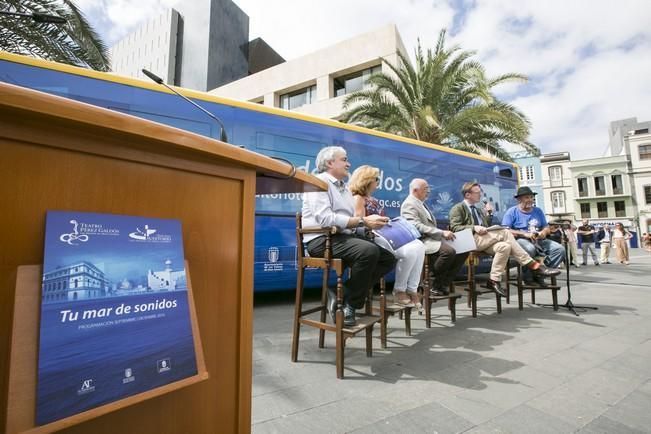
[[534, 370]]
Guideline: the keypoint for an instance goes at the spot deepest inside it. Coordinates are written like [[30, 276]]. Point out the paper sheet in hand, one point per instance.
[[464, 241], [496, 228]]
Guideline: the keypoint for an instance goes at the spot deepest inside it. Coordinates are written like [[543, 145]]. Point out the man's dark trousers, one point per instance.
[[445, 264], [368, 263]]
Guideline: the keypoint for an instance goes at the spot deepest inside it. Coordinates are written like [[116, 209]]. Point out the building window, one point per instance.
[[583, 187], [620, 208], [647, 194], [292, 100], [599, 186], [526, 174], [556, 176], [558, 202], [353, 82], [585, 211], [602, 209], [618, 187], [645, 152]]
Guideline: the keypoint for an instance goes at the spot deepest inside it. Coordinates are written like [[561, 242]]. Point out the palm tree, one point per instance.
[[74, 42], [446, 99]]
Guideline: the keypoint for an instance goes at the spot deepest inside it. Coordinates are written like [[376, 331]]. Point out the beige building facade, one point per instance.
[[603, 190], [317, 83], [638, 145]]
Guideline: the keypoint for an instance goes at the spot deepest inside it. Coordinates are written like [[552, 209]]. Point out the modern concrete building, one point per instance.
[[530, 174], [638, 145], [618, 130], [317, 83], [197, 45], [557, 185]]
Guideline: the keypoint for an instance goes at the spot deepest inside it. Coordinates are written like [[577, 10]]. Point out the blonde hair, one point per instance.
[[362, 179]]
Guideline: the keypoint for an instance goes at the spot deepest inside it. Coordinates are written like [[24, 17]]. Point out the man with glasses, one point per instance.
[[498, 243], [443, 259]]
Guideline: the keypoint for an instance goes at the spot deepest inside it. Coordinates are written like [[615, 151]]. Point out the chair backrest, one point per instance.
[[303, 258]]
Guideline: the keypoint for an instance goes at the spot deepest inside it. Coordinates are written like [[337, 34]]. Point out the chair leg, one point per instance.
[[383, 332], [533, 296], [298, 307], [474, 304], [339, 342], [324, 303], [427, 303], [555, 298], [520, 291], [499, 303], [408, 321], [369, 341], [452, 305]]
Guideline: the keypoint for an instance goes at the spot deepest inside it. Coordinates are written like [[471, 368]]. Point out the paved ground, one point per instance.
[[532, 371]]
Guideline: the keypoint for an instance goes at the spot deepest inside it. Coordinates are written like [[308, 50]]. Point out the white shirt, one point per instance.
[[326, 209]]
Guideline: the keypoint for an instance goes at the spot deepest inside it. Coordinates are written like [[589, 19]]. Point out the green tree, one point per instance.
[[446, 99], [75, 42]]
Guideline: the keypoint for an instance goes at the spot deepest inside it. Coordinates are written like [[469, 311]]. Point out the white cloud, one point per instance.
[[588, 60]]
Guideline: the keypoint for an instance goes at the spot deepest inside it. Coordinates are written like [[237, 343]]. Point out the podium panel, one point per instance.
[[64, 155]]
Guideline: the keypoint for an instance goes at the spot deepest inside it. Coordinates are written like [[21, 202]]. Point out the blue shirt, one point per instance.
[[516, 219]]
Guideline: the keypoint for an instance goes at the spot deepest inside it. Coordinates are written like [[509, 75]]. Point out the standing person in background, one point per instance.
[[362, 185], [570, 233], [605, 238], [620, 238], [587, 233], [646, 241]]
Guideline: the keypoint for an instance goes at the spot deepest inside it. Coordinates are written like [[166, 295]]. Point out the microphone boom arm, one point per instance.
[[222, 135]]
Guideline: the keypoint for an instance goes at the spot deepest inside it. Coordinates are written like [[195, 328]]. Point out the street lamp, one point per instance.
[[37, 17]]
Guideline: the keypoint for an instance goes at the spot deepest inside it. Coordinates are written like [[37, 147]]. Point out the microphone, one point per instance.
[[156, 79], [485, 202]]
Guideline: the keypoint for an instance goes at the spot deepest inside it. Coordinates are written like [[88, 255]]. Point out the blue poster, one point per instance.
[[115, 319]]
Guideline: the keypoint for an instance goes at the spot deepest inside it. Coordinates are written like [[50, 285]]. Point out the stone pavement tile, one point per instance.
[[570, 405], [476, 411], [532, 377], [501, 391], [633, 411], [426, 418], [336, 417], [604, 425], [567, 363], [608, 386], [645, 388], [525, 419], [488, 428], [630, 361]]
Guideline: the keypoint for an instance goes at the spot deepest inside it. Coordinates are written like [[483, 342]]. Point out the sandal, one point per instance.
[[401, 298], [415, 299]]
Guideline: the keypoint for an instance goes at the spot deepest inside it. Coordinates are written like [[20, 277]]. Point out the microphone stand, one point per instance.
[[568, 304]]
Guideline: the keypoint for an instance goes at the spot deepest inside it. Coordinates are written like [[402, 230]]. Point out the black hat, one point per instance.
[[523, 191]]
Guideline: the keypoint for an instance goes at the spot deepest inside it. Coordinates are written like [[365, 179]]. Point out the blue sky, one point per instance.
[[588, 61]]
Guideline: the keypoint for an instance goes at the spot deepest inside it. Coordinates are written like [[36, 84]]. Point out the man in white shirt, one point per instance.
[[605, 238], [368, 262]]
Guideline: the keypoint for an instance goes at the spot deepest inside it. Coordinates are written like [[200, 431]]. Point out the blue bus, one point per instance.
[[285, 134]]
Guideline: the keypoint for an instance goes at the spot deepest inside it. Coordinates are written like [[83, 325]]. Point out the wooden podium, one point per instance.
[[58, 154]]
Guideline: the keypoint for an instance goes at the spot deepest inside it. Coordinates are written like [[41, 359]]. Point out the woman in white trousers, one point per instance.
[[363, 183]]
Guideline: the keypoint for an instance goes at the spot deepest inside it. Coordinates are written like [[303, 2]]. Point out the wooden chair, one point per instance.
[[387, 309], [522, 286], [429, 300], [474, 291], [326, 263]]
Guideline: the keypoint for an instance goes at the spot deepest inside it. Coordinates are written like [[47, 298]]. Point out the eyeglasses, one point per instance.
[[377, 179]]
